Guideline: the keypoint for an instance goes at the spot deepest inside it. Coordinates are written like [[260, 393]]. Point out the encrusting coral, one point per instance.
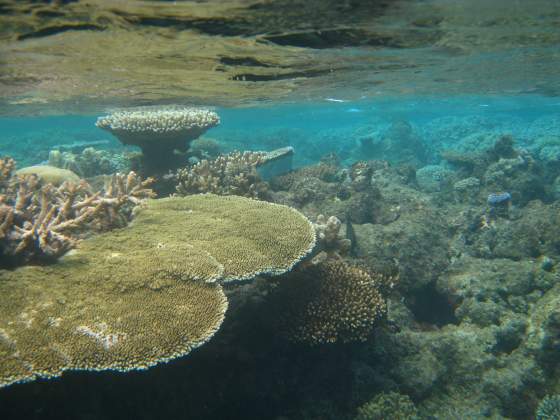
[[329, 302], [39, 220], [51, 174], [162, 132], [150, 292], [231, 174]]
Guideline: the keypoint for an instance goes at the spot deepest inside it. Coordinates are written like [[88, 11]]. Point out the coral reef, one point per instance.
[[398, 144], [50, 174], [89, 162], [163, 133], [433, 178], [390, 405], [269, 238], [329, 302], [231, 174], [39, 220], [330, 239], [549, 408], [134, 297]]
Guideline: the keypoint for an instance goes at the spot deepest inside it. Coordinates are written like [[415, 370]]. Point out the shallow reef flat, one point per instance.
[[83, 55]]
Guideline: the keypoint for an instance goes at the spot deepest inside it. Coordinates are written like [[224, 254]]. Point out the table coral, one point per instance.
[[163, 133], [248, 237], [134, 297]]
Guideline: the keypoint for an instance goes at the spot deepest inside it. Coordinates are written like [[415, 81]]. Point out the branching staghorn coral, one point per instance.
[[231, 174], [39, 220]]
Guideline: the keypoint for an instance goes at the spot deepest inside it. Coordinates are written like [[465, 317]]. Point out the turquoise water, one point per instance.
[[370, 232], [470, 324]]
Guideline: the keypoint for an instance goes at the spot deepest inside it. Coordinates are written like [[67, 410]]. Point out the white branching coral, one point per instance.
[[40, 220], [162, 132]]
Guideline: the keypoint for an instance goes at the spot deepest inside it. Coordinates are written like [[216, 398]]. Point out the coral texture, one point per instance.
[[130, 298], [549, 408], [390, 405], [52, 174], [247, 237], [163, 133], [39, 220], [330, 302], [231, 174], [329, 236]]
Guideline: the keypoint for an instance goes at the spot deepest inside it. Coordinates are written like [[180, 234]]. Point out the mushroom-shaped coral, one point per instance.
[[329, 302], [134, 297], [162, 132]]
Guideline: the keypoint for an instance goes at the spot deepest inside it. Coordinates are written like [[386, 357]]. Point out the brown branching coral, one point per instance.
[[329, 302], [41, 221], [231, 174]]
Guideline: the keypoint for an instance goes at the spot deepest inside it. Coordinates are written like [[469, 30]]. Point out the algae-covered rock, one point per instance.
[[415, 243], [52, 174]]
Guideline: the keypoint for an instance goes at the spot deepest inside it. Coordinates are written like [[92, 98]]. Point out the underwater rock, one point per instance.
[[434, 178], [162, 132], [534, 232], [50, 174], [415, 243]]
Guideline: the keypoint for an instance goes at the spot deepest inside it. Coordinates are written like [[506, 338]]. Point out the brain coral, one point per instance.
[[330, 302], [137, 296]]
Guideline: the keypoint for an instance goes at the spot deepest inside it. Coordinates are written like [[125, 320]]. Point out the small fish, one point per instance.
[[353, 110], [334, 100]]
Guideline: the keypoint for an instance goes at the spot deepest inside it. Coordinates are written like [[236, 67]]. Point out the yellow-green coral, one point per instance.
[[106, 308], [136, 296], [329, 302], [247, 237]]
